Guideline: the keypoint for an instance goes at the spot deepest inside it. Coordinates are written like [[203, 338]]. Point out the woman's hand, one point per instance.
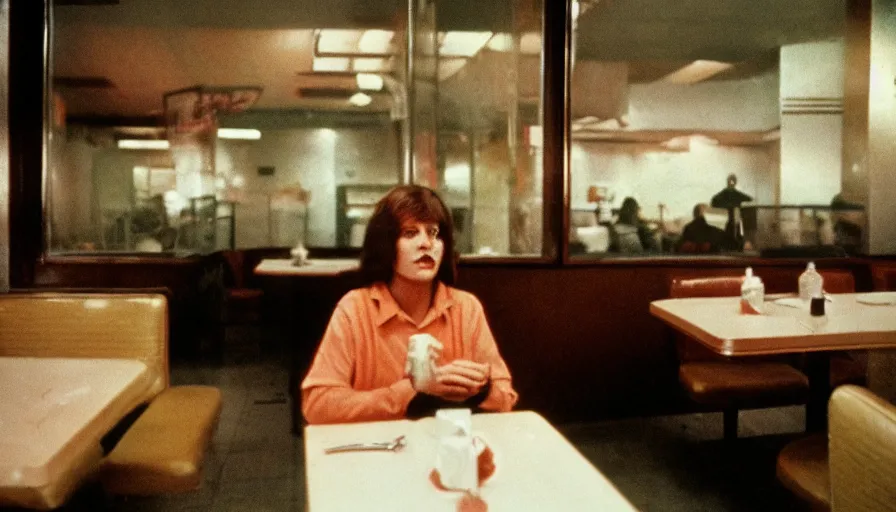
[[463, 378]]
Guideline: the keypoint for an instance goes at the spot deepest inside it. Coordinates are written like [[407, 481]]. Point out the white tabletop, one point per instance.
[[315, 267], [537, 469], [50, 408], [717, 323]]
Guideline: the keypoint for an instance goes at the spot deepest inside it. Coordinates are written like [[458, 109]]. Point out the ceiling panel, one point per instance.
[[725, 30]]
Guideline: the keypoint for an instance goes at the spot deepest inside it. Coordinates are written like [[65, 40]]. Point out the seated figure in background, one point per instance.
[[700, 236], [847, 232], [407, 263], [630, 234]]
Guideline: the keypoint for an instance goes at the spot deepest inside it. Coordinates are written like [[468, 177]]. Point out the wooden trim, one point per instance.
[[555, 127], [27, 29]]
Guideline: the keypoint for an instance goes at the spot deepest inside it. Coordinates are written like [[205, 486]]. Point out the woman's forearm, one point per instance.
[[501, 397], [336, 404]]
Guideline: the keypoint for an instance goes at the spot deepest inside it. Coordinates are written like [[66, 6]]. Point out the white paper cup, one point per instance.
[[421, 358]]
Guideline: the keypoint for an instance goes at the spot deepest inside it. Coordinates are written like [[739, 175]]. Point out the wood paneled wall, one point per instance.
[[579, 339]]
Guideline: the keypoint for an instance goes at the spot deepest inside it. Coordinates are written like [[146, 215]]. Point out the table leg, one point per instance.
[[818, 369]]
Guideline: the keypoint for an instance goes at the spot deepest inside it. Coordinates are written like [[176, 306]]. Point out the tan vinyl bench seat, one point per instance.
[[163, 451], [803, 468]]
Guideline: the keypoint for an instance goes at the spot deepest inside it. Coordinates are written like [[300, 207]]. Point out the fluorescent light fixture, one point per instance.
[[239, 133], [360, 99], [143, 144], [337, 41], [371, 65], [327, 134], [502, 42], [530, 43], [369, 82], [696, 71], [376, 41], [463, 44], [330, 64], [689, 142], [536, 138]]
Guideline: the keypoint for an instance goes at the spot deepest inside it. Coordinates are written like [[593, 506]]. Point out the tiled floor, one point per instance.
[[671, 463]]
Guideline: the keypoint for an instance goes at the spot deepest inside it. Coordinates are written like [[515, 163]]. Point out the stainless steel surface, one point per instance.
[[394, 445]]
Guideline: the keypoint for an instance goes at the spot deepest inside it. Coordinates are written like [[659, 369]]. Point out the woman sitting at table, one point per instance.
[[407, 263]]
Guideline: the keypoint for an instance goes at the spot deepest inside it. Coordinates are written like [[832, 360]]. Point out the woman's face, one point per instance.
[[418, 251]]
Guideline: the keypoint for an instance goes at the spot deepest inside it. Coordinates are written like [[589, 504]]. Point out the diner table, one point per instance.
[[852, 321], [313, 267], [536, 468], [53, 413]]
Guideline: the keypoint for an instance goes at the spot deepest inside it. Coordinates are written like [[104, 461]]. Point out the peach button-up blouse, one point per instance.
[[358, 373]]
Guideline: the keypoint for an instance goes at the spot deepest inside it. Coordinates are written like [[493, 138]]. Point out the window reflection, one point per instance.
[[667, 111], [182, 130]]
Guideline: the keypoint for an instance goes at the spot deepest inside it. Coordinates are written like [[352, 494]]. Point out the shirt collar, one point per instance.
[[388, 308]]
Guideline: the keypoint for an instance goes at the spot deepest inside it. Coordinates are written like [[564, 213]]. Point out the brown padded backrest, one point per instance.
[[835, 281], [884, 278], [838, 281], [724, 286], [718, 286], [235, 272], [862, 451], [88, 325]]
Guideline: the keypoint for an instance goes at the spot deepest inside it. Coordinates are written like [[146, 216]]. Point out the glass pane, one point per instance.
[[707, 129], [183, 129], [486, 150]]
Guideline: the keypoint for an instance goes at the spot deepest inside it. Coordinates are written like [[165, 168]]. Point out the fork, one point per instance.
[[388, 446]]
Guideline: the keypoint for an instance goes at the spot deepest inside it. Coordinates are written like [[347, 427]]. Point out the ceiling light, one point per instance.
[[143, 144], [500, 43], [530, 43], [463, 44], [696, 71], [536, 137], [239, 133], [371, 65], [376, 41], [337, 41], [369, 82], [330, 64], [360, 99]]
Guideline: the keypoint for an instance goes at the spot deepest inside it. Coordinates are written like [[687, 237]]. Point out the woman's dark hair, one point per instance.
[[628, 212], [404, 202]]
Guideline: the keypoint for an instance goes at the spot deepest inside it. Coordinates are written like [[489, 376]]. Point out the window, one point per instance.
[[729, 113], [184, 127]]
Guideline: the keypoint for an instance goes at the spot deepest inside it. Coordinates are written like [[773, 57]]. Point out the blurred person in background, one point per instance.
[[700, 236], [630, 234]]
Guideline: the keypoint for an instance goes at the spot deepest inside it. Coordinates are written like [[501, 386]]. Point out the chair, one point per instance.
[[731, 385], [882, 363], [850, 469], [163, 450], [862, 451], [242, 305], [884, 277]]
